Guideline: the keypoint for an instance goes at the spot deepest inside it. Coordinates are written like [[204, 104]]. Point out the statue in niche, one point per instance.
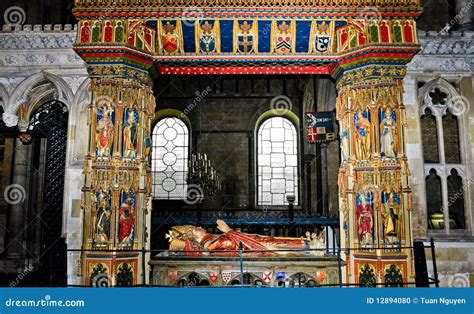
[[362, 136], [344, 140], [126, 219], [390, 218], [124, 275], [104, 131], [365, 220], [102, 221], [388, 134], [130, 134], [193, 239]]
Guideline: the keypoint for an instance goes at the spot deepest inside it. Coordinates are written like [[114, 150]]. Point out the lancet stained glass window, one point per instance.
[[170, 159], [277, 161]]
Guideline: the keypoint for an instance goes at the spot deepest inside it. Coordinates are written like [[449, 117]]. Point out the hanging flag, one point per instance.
[[320, 126]]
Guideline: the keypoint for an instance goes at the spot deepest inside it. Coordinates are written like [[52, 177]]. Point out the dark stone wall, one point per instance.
[[42, 11], [436, 14]]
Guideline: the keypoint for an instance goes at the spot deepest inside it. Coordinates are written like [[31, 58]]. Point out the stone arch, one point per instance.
[[250, 278], [302, 279], [4, 96], [193, 279], [167, 112], [453, 101], [82, 96], [18, 97]]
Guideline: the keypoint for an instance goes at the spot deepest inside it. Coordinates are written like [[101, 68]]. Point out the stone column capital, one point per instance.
[[10, 120]]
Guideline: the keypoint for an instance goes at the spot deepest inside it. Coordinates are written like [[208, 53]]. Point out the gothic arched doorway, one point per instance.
[[33, 197]]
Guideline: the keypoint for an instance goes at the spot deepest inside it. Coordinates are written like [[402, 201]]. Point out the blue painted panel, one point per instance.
[[189, 39], [264, 33], [227, 34], [303, 30]]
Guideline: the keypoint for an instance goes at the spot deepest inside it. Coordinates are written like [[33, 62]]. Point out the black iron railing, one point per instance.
[[244, 256]]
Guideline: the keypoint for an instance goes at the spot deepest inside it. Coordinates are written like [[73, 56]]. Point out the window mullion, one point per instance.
[[439, 129], [444, 191]]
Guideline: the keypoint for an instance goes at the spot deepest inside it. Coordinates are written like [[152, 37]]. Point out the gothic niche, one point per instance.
[[393, 277], [367, 276], [365, 218], [124, 275], [193, 280], [99, 276], [248, 279], [300, 280]]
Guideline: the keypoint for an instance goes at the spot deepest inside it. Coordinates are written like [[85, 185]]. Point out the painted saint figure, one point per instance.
[[130, 135], [104, 132], [390, 216], [365, 221], [388, 135], [344, 140], [126, 228], [102, 223], [362, 139]]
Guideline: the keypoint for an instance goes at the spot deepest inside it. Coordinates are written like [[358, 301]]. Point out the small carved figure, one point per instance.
[[388, 135], [362, 139], [365, 221]]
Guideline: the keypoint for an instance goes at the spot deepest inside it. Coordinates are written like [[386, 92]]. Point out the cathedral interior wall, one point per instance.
[[39, 52]]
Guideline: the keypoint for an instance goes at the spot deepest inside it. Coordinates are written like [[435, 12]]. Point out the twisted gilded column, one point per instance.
[[117, 175], [374, 192]]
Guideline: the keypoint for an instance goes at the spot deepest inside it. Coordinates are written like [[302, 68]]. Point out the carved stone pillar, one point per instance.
[[16, 213], [374, 194], [117, 186]]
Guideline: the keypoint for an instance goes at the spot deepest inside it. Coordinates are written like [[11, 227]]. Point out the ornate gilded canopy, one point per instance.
[[238, 36]]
